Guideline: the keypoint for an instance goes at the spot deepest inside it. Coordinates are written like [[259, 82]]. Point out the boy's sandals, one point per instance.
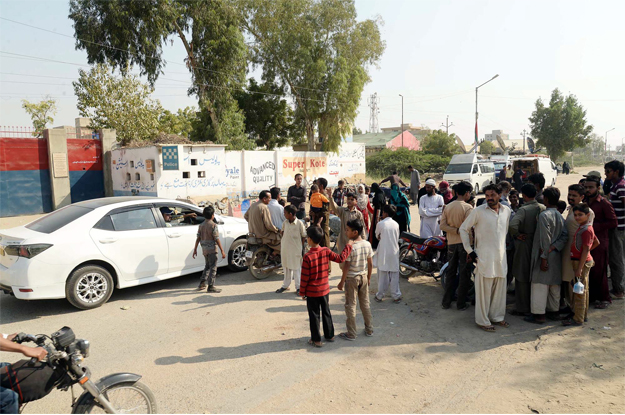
[[378, 300], [571, 322], [202, 287], [281, 290], [368, 333], [488, 329], [314, 344], [397, 301], [345, 336], [503, 324], [331, 340]]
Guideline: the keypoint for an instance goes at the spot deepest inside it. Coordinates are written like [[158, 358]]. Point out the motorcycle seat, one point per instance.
[[411, 237]]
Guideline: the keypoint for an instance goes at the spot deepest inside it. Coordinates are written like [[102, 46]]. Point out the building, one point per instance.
[[392, 139], [494, 134], [417, 131]]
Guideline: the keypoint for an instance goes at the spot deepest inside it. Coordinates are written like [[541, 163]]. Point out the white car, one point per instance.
[[83, 251]]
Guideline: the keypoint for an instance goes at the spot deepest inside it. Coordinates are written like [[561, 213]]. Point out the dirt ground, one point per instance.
[[245, 351]]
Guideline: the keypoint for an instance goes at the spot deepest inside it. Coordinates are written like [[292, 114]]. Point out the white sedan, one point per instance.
[[83, 251]]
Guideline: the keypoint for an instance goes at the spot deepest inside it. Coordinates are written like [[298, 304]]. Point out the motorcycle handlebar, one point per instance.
[[23, 337]]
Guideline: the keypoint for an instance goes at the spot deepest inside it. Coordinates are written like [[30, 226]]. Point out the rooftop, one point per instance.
[[375, 139]]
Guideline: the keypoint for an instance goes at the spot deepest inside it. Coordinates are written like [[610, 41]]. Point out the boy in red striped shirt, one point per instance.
[[314, 285]]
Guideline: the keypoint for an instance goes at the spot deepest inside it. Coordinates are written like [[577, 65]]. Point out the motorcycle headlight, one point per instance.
[[83, 346]]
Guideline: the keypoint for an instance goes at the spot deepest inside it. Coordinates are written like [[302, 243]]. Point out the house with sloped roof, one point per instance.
[[392, 140]]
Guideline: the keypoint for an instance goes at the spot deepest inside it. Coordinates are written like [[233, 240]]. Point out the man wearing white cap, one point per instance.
[[430, 210]]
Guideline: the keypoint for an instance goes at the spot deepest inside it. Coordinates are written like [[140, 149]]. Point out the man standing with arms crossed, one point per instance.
[[296, 196], [490, 223]]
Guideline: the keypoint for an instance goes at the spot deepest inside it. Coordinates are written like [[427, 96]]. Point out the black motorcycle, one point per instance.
[[62, 369]]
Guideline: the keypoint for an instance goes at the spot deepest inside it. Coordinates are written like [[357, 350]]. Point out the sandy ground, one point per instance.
[[245, 351]]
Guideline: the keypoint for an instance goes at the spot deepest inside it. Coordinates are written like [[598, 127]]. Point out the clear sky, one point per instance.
[[437, 52]]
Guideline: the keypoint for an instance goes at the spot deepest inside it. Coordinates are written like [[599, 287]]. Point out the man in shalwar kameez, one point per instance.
[[490, 224], [430, 210], [550, 240]]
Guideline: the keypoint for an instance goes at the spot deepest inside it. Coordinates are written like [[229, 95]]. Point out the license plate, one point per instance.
[[249, 254]]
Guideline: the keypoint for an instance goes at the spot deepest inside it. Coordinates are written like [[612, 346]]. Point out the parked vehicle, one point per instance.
[[260, 259], [425, 255], [62, 369], [470, 167], [84, 251], [537, 163], [500, 161]]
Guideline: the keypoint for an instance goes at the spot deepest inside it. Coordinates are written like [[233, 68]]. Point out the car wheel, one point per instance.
[[236, 256], [89, 287]]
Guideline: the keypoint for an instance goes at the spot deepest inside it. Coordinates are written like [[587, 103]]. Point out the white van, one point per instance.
[[537, 163], [470, 167]]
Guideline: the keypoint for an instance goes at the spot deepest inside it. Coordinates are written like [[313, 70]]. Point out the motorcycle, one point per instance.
[[259, 258], [62, 369], [425, 255]]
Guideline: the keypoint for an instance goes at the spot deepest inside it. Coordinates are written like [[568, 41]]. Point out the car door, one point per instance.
[[131, 238], [226, 239]]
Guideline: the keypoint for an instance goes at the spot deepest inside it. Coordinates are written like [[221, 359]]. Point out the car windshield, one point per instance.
[[459, 168], [500, 166], [56, 220]]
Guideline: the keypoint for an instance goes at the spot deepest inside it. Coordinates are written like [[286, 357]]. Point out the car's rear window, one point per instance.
[[56, 220]]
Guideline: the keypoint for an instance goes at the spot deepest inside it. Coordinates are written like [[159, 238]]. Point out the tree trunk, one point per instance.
[[310, 135]]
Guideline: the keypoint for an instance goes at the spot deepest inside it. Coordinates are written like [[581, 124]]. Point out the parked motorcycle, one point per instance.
[[260, 259], [425, 255], [62, 369]]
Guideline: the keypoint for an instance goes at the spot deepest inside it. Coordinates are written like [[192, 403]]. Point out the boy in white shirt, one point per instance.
[[291, 247], [387, 232]]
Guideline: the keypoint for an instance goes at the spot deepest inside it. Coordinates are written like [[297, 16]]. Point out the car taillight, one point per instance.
[[26, 251]]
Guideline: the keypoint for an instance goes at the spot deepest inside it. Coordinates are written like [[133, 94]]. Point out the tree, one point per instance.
[[356, 131], [561, 126], [487, 148], [268, 117], [119, 102], [439, 142], [320, 53], [127, 33], [179, 123], [40, 113]]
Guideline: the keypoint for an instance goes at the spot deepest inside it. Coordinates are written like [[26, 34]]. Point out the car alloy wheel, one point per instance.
[[91, 287], [238, 256]]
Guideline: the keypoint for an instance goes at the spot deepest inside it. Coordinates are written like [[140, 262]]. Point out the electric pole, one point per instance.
[[373, 102], [447, 125]]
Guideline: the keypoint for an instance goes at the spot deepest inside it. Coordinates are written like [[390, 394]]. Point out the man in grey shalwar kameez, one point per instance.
[[523, 229], [551, 238]]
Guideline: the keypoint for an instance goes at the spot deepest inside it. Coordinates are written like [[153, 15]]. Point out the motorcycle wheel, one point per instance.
[[260, 257], [127, 398], [409, 255]]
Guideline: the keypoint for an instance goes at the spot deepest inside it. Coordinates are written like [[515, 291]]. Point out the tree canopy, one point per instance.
[[440, 143], [487, 147], [179, 123], [119, 102], [320, 53], [356, 131], [561, 126], [40, 113]]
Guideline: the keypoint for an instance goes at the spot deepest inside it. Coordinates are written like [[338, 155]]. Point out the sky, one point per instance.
[[437, 52]]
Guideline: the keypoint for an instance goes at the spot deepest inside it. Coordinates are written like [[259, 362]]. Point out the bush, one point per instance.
[[386, 161]]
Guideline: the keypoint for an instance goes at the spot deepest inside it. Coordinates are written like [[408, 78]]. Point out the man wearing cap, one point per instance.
[[179, 220], [430, 210], [443, 190]]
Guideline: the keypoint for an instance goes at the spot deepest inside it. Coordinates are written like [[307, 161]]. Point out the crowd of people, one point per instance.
[[558, 256]]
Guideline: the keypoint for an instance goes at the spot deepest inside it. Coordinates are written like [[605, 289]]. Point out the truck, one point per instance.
[[537, 163]]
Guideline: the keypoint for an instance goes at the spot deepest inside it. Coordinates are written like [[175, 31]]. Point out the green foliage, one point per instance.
[[179, 123], [356, 131], [319, 50], [135, 32], [561, 126], [384, 162], [268, 118], [119, 102], [232, 127], [487, 148], [40, 113], [440, 143]]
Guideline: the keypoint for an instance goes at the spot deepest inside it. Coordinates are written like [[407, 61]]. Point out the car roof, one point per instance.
[[124, 200]]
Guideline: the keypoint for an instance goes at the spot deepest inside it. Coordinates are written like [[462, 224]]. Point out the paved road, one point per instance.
[[245, 350]]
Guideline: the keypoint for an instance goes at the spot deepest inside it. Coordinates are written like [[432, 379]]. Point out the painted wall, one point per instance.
[[127, 163], [234, 173], [24, 177], [259, 169], [85, 169], [410, 142]]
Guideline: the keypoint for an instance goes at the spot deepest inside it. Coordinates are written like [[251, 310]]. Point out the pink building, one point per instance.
[[377, 141]]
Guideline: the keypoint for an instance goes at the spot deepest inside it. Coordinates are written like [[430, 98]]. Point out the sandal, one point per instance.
[[281, 290], [602, 305], [398, 301], [488, 329], [503, 324], [314, 344], [378, 300], [345, 336], [330, 340], [571, 322]]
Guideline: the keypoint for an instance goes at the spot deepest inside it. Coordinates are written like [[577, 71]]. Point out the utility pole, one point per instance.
[[402, 119], [373, 102], [476, 88], [447, 125], [524, 132], [605, 148]]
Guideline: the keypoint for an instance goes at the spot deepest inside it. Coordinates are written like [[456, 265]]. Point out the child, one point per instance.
[[387, 232], [314, 284], [355, 279], [208, 237], [318, 202], [561, 206], [582, 262], [291, 246]]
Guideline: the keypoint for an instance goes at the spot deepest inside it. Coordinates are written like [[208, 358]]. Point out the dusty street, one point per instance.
[[245, 350]]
